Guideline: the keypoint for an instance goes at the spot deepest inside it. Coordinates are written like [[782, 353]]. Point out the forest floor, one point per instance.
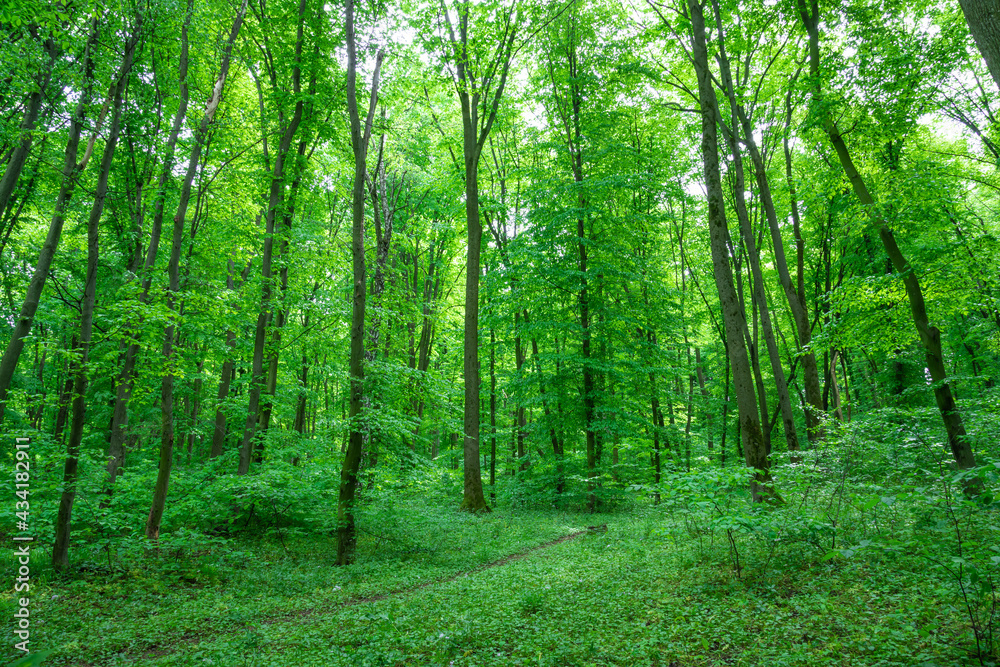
[[648, 586]]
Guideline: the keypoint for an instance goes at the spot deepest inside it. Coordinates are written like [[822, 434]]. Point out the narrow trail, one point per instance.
[[497, 563], [159, 651], [352, 602]]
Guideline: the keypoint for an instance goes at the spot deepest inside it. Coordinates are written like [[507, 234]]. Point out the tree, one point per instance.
[[754, 451], [60, 547], [360, 135], [173, 271], [930, 336], [70, 173], [479, 79], [983, 17]]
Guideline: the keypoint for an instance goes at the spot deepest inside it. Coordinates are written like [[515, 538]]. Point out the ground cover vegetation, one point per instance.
[[497, 333]]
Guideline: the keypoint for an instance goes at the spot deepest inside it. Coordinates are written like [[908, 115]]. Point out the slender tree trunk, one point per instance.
[[519, 359], [740, 119], [225, 377], [173, 271], [276, 196], [493, 417], [930, 336], [346, 536], [654, 404], [557, 446], [705, 395], [474, 136], [796, 295], [753, 254], [19, 155], [60, 547], [70, 173], [126, 376], [750, 430], [983, 17]]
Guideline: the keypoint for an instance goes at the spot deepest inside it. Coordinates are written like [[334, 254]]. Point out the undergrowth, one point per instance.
[[877, 556]]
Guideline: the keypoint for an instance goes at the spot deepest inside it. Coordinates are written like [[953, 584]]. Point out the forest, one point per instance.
[[500, 332]]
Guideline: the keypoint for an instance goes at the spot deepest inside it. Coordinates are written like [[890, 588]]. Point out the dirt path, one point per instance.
[[298, 617], [497, 563]]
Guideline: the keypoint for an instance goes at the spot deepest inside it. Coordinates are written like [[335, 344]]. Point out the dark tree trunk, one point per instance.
[[276, 195], [19, 155], [475, 132], [705, 396], [983, 17], [70, 172], [346, 536], [173, 271], [60, 547], [750, 429], [126, 376], [930, 336]]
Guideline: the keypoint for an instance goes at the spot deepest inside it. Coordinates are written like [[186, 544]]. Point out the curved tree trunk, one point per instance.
[[276, 196], [60, 547], [983, 17], [126, 376], [70, 172], [930, 336], [173, 271]]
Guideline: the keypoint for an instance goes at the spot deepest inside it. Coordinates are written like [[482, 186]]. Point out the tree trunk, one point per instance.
[[983, 17], [493, 417], [70, 173], [346, 536], [23, 147], [173, 271], [796, 295], [126, 376], [60, 547], [797, 307], [276, 195], [519, 359], [750, 430], [704, 394], [930, 336], [467, 82]]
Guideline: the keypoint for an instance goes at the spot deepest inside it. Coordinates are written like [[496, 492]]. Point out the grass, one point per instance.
[[867, 563], [641, 593]]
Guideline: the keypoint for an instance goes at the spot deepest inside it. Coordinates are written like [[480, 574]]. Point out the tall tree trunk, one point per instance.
[[654, 405], [750, 430], [126, 376], [796, 295], [753, 260], [699, 370], [983, 17], [19, 155], [800, 315], [469, 82], [276, 197], [346, 536], [385, 196], [557, 446], [225, 376], [493, 416], [70, 173], [570, 112], [173, 289], [930, 336], [519, 359], [60, 547]]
